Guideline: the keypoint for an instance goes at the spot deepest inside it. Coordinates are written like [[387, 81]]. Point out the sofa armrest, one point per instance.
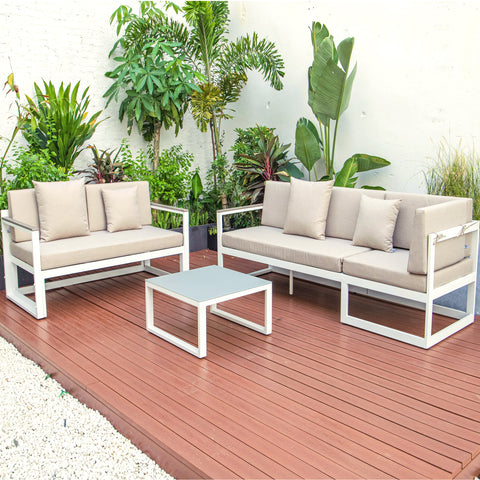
[[232, 211], [177, 211], [455, 232], [168, 208], [17, 224], [445, 220]]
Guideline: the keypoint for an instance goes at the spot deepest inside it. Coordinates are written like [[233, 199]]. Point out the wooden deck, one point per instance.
[[316, 399]]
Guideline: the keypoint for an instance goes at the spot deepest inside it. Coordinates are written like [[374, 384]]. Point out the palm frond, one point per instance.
[[252, 53]]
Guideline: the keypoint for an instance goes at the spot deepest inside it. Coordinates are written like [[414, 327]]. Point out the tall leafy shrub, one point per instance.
[[152, 78]]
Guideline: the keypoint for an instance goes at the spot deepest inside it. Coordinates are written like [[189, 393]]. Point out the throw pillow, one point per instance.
[[62, 209], [375, 223], [275, 203], [121, 209], [308, 208]]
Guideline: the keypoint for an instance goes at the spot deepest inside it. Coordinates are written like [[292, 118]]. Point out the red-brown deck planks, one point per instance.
[[316, 399]]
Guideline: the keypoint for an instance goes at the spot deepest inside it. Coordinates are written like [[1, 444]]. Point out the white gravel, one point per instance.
[[45, 433]]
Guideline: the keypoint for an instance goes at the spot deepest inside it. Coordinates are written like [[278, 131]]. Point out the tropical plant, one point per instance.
[[57, 122], [455, 172], [195, 203], [248, 139], [105, 167], [169, 184], [270, 163], [152, 76], [329, 91], [224, 64], [26, 167]]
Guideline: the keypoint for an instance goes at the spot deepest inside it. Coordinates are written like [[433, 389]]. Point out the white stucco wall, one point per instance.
[[417, 81]]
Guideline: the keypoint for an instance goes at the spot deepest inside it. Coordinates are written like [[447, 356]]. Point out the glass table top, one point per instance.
[[207, 283]]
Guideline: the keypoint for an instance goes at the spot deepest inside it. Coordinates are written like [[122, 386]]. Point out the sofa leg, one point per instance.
[[428, 323], [184, 261], [290, 282], [344, 292], [40, 298]]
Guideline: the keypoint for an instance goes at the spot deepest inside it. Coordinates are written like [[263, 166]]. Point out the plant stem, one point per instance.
[[334, 139], [214, 152]]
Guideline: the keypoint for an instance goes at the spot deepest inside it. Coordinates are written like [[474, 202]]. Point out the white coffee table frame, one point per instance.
[[221, 290]]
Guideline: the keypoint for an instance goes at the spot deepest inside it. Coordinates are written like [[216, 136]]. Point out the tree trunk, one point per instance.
[[156, 145]]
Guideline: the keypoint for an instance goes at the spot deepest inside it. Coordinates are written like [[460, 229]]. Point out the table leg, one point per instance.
[[266, 328], [202, 331], [200, 351]]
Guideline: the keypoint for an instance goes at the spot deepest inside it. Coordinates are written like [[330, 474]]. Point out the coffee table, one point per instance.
[[203, 287]]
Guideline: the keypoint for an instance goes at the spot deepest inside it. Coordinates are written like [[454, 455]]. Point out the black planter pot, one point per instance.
[[198, 236], [212, 241], [24, 278]]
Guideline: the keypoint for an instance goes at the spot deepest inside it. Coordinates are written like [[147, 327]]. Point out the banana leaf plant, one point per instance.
[[270, 163], [329, 90]]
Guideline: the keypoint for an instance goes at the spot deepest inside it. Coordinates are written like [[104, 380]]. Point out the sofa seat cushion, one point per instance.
[[271, 242], [391, 269], [98, 246]]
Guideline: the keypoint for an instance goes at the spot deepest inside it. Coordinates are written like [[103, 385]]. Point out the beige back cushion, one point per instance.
[[343, 210], [402, 236], [96, 211], [62, 209], [434, 218], [22, 206], [275, 203]]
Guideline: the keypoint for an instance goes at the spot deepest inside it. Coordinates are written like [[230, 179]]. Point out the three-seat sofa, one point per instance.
[[408, 248]]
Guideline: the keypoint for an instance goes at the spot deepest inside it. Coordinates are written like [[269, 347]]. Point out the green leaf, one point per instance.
[[307, 146], [371, 187], [367, 162], [347, 91], [318, 33], [326, 90], [346, 176], [344, 50], [197, 186], [293, 171]]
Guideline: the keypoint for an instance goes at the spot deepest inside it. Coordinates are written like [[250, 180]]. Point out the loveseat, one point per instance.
[[59, 229], [408, 248]]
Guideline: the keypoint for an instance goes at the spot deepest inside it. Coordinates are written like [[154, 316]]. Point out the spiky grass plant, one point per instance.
[[456, 172]]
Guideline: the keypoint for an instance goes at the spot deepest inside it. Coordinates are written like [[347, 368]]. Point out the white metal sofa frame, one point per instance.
[[412, 298], [38, 307]]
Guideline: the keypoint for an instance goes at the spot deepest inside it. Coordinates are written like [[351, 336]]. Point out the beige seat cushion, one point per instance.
[[98, 246], [121, 208], [375, 223], [391, 269], [272, 242], [62, 209], [308, 208], [343, 210], [275, 203]]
